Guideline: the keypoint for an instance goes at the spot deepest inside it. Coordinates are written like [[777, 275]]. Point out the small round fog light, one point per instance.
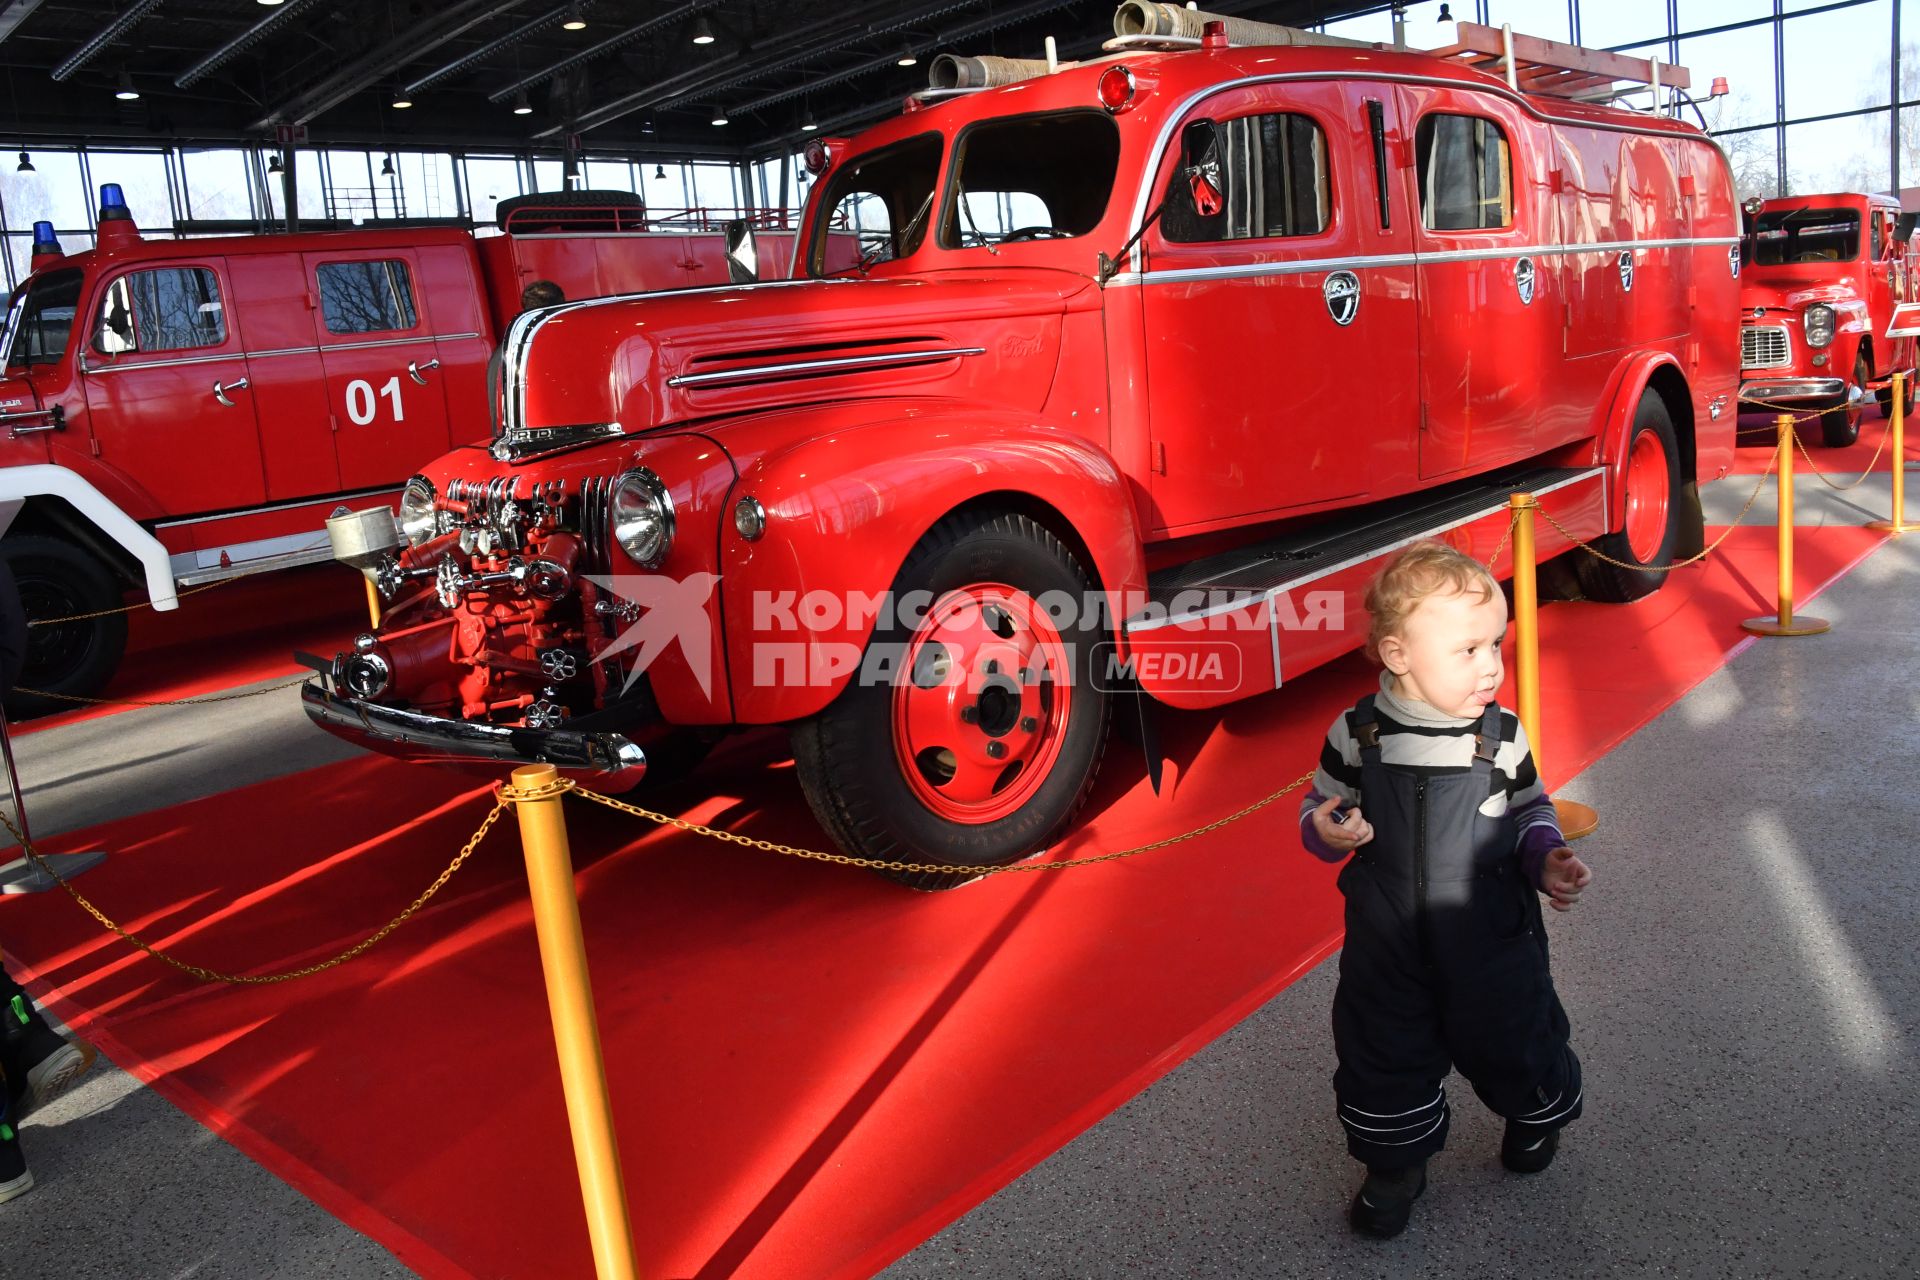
[[750, 518]]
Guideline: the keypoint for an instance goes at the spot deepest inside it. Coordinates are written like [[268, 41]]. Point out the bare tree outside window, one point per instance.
[[366, 297]]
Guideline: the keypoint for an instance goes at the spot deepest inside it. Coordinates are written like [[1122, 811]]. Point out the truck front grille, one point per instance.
[[1764, 346]]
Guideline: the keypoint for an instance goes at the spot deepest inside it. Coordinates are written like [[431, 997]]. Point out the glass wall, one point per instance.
[[191, 190], [1811, 104]]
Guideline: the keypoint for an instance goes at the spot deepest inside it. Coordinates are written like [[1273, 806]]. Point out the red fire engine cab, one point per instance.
[[1821, 277], [1146, 364], [175, 412]]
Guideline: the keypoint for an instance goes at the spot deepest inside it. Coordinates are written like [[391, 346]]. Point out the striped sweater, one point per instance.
[[1415, 736]]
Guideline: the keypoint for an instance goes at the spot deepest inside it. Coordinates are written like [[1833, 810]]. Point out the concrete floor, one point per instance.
[[1741, 981]]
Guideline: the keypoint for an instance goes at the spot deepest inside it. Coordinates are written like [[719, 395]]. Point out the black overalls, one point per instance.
[[1445, 962]]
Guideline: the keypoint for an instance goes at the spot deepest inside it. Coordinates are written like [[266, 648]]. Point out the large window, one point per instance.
[[885, 199], [1466, 173], [1807, 234], [1031, 177], [167, 309], [366, 297], [40, 320], [1273, 173]]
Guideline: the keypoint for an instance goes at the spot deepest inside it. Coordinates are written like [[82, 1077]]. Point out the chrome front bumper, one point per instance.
[[1797, 390], [608, 757]]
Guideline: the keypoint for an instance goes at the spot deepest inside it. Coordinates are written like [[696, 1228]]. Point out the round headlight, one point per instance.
[[641, 514], [1819, 325], [418, 523], [750, 518]]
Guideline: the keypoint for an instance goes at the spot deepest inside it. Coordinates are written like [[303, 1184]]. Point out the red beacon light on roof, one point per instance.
[[817, 156], [116, 219], [1117, 89], [1213, 35]]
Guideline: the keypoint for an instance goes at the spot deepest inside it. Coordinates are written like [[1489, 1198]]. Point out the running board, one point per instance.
[[1212, 629]]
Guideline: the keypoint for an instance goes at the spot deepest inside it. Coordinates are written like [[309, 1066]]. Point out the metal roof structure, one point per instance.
[[621, 75]]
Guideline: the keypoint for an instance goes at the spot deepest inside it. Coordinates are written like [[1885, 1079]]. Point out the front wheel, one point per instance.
[[58, 580], [1647, 535], [974, 728], [1885, 396]]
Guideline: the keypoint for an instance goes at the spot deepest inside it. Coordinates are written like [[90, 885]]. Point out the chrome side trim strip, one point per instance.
[[281, 351], [92, 369], [836, 364], [1302, 266], [1272, 593], [196, 568], [281, 506]]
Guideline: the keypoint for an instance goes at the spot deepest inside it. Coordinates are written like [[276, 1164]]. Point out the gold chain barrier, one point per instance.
[[162, 702], [263, 979]]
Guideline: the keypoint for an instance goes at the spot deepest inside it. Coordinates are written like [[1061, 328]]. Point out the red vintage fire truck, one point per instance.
[[175, 412], [1146, 364], [1822, 275]]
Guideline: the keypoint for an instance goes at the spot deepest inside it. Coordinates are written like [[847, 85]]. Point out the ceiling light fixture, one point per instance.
[[386, 167], [576, 21], [646, 123], [659, 170], [907, 56], [270, 3], [25, 165], [702, 31], [274, 165], [521, 107], [126, 92], [719, 115], [401, 100], [807, 123], [1446, 13]]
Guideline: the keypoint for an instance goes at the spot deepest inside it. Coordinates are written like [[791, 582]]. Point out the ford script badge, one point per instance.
[[1523, 280], [1733, 259], [1342, 291], [1626, 270]]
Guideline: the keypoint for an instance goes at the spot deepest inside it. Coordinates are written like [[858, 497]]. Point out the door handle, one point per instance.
[[417, 371], [220, 390]]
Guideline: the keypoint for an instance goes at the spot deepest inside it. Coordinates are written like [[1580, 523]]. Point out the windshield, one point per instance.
[[876, 206], [1785, 236], [1038, 177], [41, 318]]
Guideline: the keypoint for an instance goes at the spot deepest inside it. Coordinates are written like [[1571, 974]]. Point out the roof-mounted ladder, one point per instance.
[[1532, 64]]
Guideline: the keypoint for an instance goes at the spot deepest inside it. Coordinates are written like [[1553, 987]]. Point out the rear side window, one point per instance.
[[1275, 183], [366, 297], [169, 309], [1466, 173]]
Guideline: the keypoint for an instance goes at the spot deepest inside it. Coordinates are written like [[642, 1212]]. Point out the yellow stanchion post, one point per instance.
[[583, 1076], [1576, 819], [373, 603], [1785, 623], [1898, 523]]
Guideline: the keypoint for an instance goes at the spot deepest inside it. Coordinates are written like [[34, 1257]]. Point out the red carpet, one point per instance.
[[253, 625], [1757, 437], [812, 1069]]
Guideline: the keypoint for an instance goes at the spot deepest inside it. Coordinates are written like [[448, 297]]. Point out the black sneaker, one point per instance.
[[1522, 1156], [40, 1062], [15, 1178], [1386, 1201]]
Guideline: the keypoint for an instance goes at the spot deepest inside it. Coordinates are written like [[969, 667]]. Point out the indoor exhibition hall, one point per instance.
[[1034, 640]]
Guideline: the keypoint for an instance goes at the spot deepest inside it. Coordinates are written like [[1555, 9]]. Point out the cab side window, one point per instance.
[[1882, 238], [1466, 173], [1273, 170], [366, 297], [168, 309]]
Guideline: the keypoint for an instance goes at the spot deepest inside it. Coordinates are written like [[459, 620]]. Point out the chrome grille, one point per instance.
[[1764, 346]]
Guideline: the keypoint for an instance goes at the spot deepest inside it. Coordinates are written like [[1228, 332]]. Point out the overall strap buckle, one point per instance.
[[1486, 740], [1361, 723]]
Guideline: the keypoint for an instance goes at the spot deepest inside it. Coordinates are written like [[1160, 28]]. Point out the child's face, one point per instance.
[[1448, 651]]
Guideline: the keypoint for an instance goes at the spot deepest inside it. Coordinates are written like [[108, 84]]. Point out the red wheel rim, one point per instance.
[[981, 703], [1647, 496]]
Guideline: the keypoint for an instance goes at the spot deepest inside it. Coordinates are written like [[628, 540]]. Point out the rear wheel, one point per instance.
[[982, 734], [58, 580], [1647, 535], [1885, 397], [1841, 427]]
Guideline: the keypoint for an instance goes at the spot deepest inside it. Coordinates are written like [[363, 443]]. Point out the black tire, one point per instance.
[[845, 756], [1608, 582], [1841, 427], [597, 210], [57, 580]]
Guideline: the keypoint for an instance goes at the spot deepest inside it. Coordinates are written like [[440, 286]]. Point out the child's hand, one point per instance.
[[1344, 836], [1563, 877]]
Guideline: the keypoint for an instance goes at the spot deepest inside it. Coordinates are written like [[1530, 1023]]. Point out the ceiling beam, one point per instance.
[[104, 38], [468, 61], [616, 41], [450, 23], [14, 14], [245, 40]]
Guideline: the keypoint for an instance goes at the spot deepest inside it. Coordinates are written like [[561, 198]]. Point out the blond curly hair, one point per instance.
[[1424, 569]]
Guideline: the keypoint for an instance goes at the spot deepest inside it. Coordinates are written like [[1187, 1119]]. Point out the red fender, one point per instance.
[[1628, 384], [844, 509]]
